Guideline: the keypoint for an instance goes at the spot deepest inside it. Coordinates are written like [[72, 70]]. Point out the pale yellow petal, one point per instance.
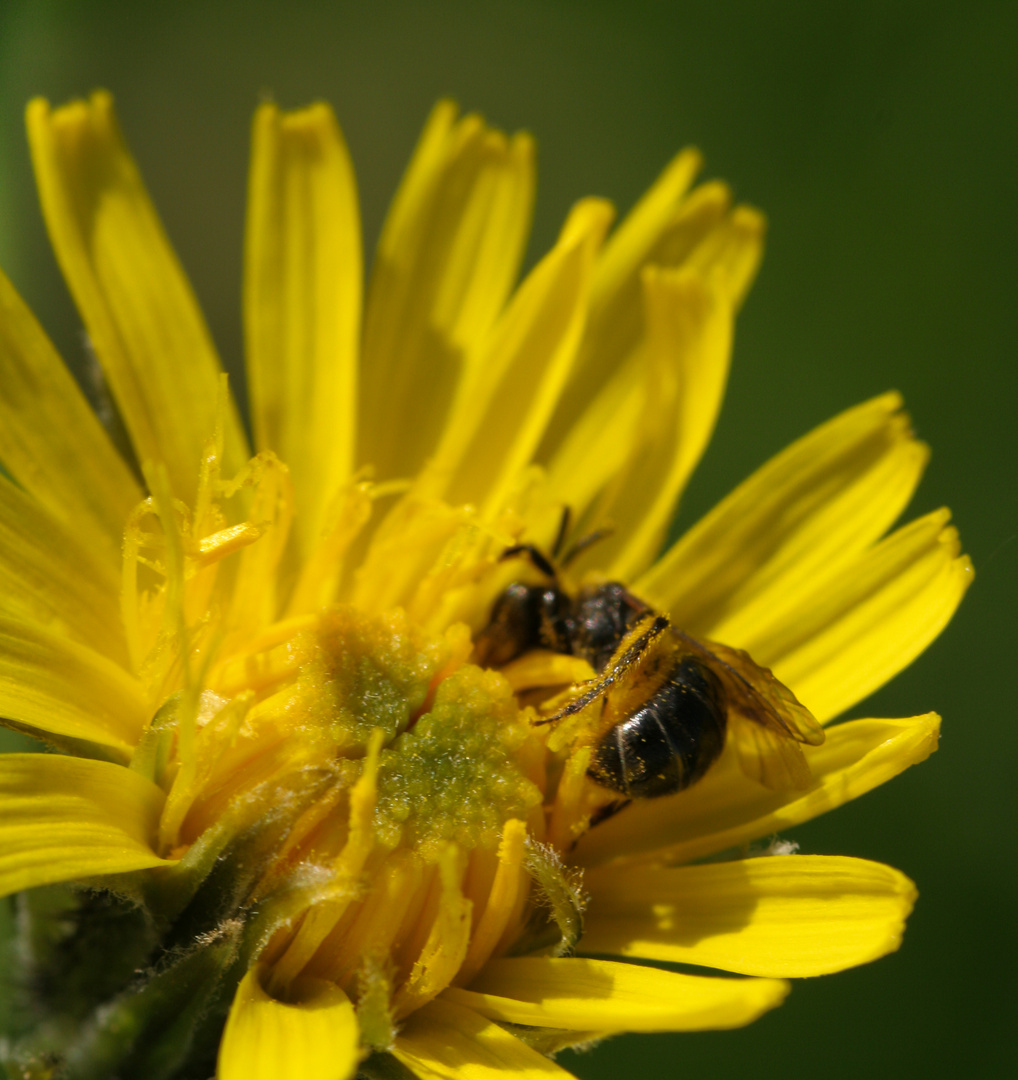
[[50, 439], [49, 682], [445, 1041], [616, 307], [447, 258], [732, 252], [776, 601], [605, 996], [689, 339], [69, 818], [47, 577], [795, 524], [505, 401], [445, 948], [597, 445], [314, 1037], [633, 243], [726, 809], [494, 921], [700, 233], [850, 638], [785, 916], [302, 302], [134, 298]]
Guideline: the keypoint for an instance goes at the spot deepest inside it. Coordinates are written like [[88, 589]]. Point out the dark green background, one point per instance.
[[880, 138]]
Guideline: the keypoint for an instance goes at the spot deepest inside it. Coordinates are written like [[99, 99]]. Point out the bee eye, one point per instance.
[[514, 627]]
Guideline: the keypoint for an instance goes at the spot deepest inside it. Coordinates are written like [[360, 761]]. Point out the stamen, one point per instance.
[[322, 918], [319, 577], [446, 947], [508, 887]]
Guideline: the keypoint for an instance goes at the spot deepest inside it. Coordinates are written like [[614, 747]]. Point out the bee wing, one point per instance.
[[755, 694], [769, 757], [767, 723]]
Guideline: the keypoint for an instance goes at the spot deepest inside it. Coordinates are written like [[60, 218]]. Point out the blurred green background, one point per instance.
[[880, 138]]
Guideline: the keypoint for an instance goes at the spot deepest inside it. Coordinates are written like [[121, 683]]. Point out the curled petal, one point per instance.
[[789, 917], [447, 1041], [603, 996], [314, 1037]]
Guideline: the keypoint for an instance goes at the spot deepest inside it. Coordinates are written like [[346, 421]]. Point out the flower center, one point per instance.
[[411, 856], [386, 812]]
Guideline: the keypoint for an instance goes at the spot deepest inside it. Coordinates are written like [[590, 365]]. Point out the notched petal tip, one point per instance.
[[136, 303], [302, 303]]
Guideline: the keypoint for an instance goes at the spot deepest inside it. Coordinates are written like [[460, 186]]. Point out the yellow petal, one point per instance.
[[445, 1041], [726, 808], [50, 439], [604, 996], [322, 918], [861, 630], [505, 401], [137, 305], [302, 301], [733, 251], [70, 818], [447, 258], [790, 916], [633, 243], [795, 524], [666, 230], [49, 578], [312, 1038], [689, 337], [509, 882], [53, 684], [445, 949], [596, 447], [616, 315]]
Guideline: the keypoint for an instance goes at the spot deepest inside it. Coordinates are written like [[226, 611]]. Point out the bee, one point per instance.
[[668, 701]]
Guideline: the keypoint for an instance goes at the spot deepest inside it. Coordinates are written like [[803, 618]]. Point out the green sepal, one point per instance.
[[381, 1066], [549, 1041], [147, 1032], [37, 739], [67, 951], [554, 922], [10, 984], [152, 754], [213, 879]]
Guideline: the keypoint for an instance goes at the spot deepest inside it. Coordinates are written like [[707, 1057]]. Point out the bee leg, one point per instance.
[[585, 542], [563, 530], [537, 557], [603, 813]]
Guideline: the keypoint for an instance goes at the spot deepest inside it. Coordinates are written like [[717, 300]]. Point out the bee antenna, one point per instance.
[[563, 528], [585, 542], [537, 557]]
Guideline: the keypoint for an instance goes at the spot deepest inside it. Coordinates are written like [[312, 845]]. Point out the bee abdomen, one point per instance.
[[670, 741]]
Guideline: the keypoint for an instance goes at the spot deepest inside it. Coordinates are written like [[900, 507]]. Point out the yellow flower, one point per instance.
[[347, 840]]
